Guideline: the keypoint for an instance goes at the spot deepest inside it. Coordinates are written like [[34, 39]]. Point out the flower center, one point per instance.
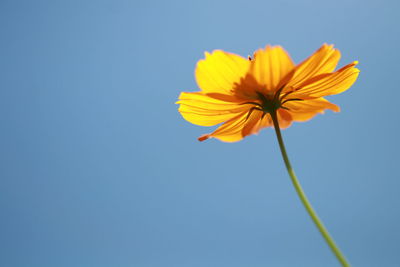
[[271, 102]]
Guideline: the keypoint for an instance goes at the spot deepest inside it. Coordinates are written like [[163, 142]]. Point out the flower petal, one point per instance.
[[270, 66], [230, 131], [241, 126], [284, 118], [266, 121], [220, 71], [307, 109], [263, 122], [204, 110], [324, 60], [328, 84], [250, 126]]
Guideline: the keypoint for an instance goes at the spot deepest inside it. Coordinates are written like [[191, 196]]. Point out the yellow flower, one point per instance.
[[242, 93]]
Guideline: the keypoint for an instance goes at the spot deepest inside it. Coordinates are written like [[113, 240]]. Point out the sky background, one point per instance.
[[98, 168]]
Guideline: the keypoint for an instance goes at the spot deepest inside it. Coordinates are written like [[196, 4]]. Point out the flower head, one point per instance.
[[244, 93]]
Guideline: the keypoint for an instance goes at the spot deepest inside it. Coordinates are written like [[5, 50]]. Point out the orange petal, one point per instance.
[[264, 122], [204, 110], [328, 84], [270, 66], [307, 109], [250, 126], [220, 71], [230, 131], [284, 118], [241, 126], [324, 60]]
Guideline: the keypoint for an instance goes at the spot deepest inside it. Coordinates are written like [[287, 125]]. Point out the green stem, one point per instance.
[[317, 221]]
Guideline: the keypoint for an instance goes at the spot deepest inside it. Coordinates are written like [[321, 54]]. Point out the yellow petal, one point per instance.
[[204, 110], [324, 60], [270, 66], [307, 109], [248, 88], [328, 84], [220, 71]]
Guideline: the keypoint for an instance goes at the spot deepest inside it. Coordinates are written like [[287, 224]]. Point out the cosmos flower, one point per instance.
[[242, 94]]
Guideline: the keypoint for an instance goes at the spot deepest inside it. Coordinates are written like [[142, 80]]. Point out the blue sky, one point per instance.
[[99, 169]]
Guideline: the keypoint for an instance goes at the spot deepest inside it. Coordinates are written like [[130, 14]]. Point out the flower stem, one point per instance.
[[317, 221]]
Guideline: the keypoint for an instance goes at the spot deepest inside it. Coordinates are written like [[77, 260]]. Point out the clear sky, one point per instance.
[[98, 168]]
